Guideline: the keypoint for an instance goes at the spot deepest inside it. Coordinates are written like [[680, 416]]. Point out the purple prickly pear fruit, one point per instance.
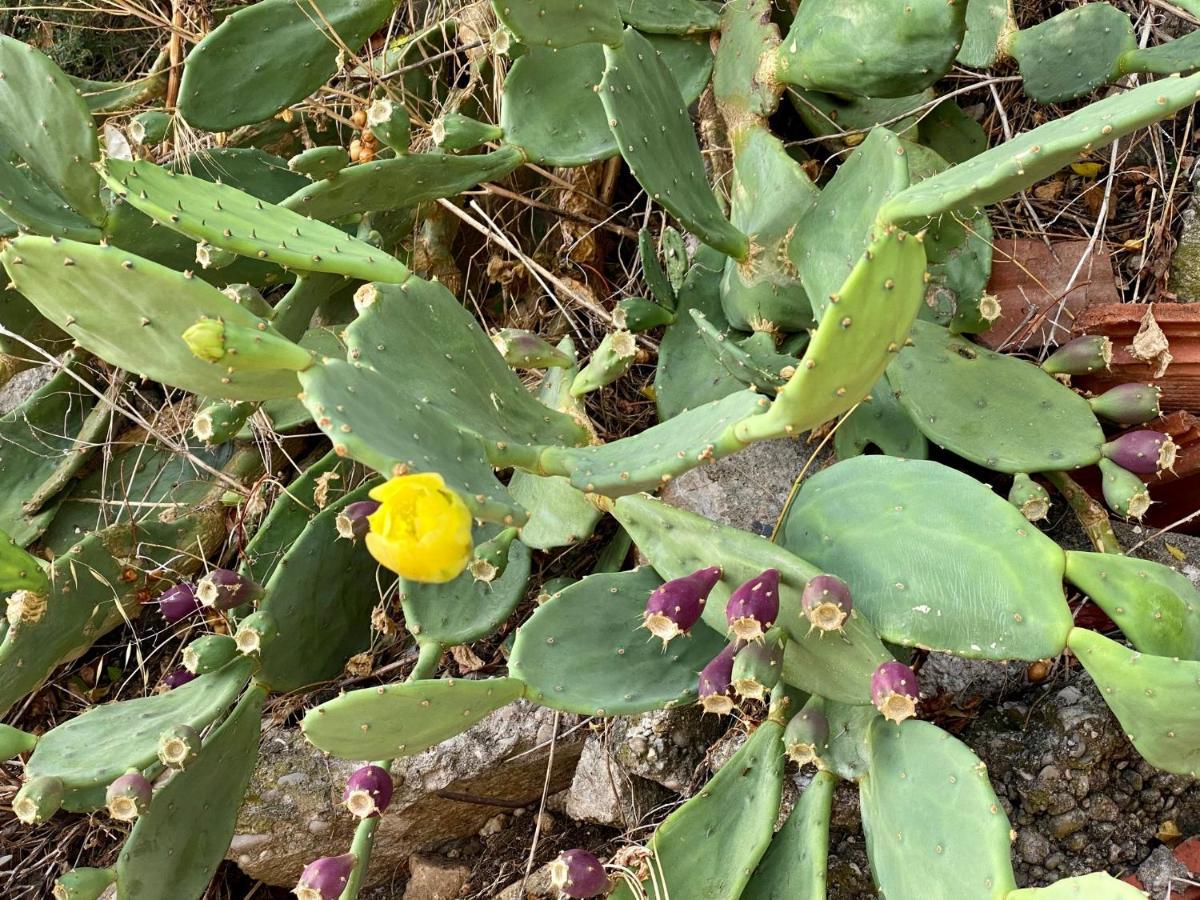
[[177, 678], [826, 601], [128, 797], [674, 607], [178, 602], [754, 606], [225, 589], [368, 791], [1128, 404], [352, 521], [806, 736], [577, 873], [894, 690], [716, 682], [1089, 353], [1145, 452], [325, 878]]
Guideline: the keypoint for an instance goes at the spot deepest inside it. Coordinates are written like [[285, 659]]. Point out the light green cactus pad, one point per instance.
[[795, 865]]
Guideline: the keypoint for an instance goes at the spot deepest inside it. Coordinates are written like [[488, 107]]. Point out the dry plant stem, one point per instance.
[[176, 52], [1091, 515]]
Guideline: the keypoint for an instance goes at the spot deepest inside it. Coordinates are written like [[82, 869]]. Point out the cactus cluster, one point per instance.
[[285, 295]]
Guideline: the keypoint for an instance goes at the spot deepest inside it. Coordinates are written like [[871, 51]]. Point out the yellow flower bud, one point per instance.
[[422, 530]]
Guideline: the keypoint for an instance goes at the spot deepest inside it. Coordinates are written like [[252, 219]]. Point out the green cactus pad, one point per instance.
[[949, 387], [559, 514], [113, 96], [45, 121], [559, 24], [268, 56], [860, 48], [951, 133], [83, 884], [677, 542], [14, 741], [881, 422], [653, 457], [1027, 159], [551, 109], [1156, 607], [684, 378], [748, 35], [314, 637], [662, 291], [403, 719], [95, 586], [727, 349], [461, 403], [957, 844], [103, 743], [735, 811], [403, 181], [234, 220], [953, 566], [1073, 53], [848, 755], [30, 203], [654, 133], [611, 359], [795, 863], [990, 24], [177, 844], [1151, 696], [770, 194], [36, 438], [1179, 55], [1096, 886], [147, 308], [669, 16], [854, 342], [826, 115], [833, 236], [584, 650], [291, 512], [467, 609]]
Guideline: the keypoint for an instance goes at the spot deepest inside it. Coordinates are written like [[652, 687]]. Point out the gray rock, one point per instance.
[[1184, 278], [293, 813], [538, 884], [749, 489], [1162, 875], [604, 793], [15, 391], [944, 673], [1077, 793], [665, 746]]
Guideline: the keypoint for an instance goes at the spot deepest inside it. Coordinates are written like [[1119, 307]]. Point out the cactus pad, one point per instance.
[[735, 811], [654, 133], [270, 55], [958, 845], [102, 744], [1096, 886], [1073, 53], [1156, 607], [795, 863], [551, 109], [880, 421], [234, 220], [1151, 696], [1027, 159], [669, 16], [404, 181], [45, 121], [584, 650], [403, 719], [466, 609], [146, 310], [989, 26], [177, 844], [952, 389], [855, 340], [953, 566], [558, 24]]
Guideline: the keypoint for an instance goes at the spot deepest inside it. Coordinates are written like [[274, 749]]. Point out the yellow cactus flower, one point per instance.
[[422, 529]]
